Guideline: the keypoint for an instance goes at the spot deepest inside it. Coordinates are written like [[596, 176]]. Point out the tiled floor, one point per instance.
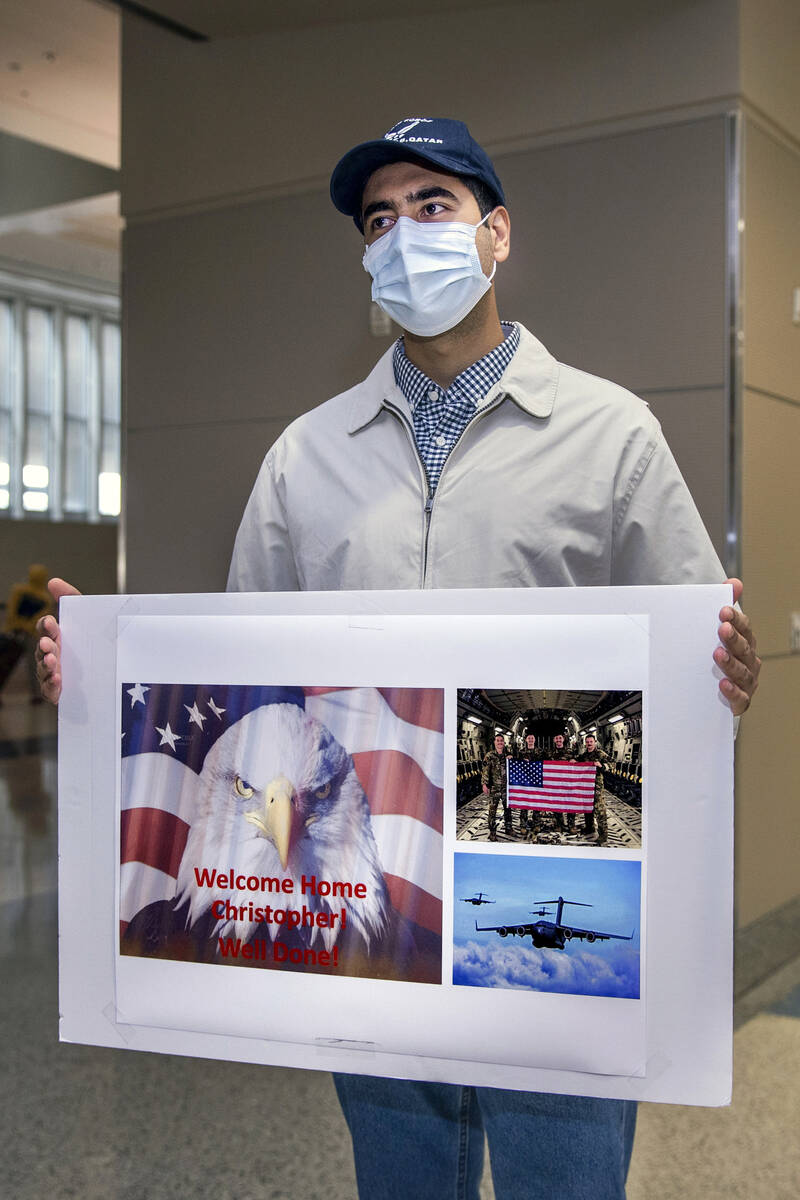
[[100, 1124]]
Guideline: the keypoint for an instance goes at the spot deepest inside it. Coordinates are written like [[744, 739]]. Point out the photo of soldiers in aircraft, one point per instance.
[[478, 898], [549, 767], [552, 934]]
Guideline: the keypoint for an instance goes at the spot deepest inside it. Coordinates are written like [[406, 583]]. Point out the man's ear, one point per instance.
[[499, 226]]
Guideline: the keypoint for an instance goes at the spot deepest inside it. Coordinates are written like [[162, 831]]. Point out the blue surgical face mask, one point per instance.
[[427, 275]]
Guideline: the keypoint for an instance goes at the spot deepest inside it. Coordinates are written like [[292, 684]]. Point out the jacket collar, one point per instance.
[[530, 380]]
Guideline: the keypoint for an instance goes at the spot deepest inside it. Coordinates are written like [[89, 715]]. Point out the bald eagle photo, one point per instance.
[[276, 815]]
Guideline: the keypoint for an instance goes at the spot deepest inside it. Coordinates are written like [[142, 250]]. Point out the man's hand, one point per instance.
[[737, 657], [48, 649]]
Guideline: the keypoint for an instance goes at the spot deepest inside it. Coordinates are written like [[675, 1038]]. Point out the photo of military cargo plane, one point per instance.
[[552, 934], [525, 943], [478, 898]]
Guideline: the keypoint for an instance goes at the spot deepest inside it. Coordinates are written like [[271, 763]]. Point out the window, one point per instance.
[[59, 400]]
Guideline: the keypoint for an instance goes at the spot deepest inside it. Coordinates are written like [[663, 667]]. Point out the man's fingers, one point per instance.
[[736, 645], [47, 667], [737, 658], [738, 588], [47, 654], [48, 627], [737, 698], [49, 675], [48, 648], [59, 587], [740, 622], [740, 671], [51, 689]]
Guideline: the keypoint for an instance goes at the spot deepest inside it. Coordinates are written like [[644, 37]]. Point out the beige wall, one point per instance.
[[768, 816], [770, 72], [771, 508], [767, 784], [767, 794], [771, 261], [235, 117]]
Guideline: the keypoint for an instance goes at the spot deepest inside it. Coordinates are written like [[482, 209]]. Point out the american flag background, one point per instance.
[[551, 786], [394, 735]]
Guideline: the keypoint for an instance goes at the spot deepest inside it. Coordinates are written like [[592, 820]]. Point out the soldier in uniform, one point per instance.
[[493, 778], [530, 819], [597, 819], [562, 753]]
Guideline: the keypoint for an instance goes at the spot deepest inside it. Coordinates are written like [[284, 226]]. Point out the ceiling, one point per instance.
[[59, 75], [59, 87], [548, 706]]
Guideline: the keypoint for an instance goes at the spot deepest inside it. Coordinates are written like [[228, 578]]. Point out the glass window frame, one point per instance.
[[64, 299]]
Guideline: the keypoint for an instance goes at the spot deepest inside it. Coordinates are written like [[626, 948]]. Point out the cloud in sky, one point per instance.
[[585, 973]]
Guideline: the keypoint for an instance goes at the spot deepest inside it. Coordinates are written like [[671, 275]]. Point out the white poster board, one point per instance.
[[345, 936]]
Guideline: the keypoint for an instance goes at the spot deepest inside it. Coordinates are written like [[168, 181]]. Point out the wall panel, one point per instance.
[[265, 316], [232, 116], [84, 554], [618, 253], [770, 78], [771, 263], [187, 489], [767, 812], [771, 508]]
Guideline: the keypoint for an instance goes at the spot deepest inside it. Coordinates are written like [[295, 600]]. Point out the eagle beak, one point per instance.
[[279, 819]]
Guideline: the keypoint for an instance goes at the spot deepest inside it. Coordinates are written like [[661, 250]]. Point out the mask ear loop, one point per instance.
[[477, 227]]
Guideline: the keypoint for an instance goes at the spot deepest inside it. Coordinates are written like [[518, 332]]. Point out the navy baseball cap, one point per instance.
[[438, 140]]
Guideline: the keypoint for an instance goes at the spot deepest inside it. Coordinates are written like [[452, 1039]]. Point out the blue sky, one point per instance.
[[516, 883]]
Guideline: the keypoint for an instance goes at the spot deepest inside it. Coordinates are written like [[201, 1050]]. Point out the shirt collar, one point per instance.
[[530, 380], [473, 383]]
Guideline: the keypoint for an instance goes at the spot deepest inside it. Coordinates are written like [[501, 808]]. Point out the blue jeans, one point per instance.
[[424, 1141]]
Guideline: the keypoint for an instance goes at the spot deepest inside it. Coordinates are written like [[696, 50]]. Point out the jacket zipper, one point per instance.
[[426, 483], [431, 494]]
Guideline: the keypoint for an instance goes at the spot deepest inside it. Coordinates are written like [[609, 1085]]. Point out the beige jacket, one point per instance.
[[560, 479]]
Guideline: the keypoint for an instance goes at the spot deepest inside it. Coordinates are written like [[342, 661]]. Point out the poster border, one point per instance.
[[688, 1046]]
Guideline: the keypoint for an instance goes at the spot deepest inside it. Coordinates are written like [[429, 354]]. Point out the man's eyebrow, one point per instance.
[[428, 193]]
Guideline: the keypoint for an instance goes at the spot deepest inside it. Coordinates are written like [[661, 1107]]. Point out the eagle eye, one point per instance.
[[323, 792], [243, 787]]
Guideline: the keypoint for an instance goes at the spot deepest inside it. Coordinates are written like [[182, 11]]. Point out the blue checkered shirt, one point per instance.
[[439, 416]]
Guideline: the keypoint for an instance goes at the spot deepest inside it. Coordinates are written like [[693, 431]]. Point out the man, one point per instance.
[[597, 819], [430, 474], [530, 819], [562, 753], [493, 781]]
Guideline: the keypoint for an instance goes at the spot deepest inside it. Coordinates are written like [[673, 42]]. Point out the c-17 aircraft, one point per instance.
[[478, 898], [552, 934]]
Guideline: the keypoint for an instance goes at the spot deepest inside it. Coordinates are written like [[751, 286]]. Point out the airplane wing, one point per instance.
[[512, 927], [594, 935]]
